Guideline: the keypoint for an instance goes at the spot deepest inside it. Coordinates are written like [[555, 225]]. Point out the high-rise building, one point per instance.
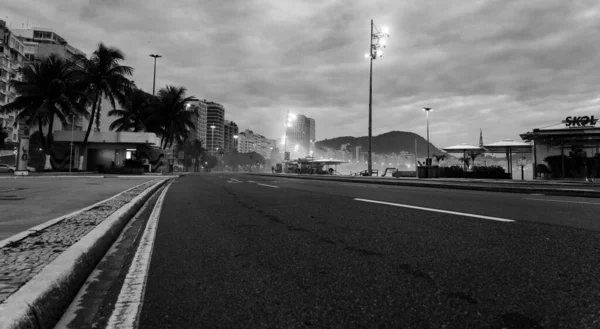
[[200, 121], [215, 118], [12, 55], [40, 42], [301, 135], [248, 141], [231, 130]]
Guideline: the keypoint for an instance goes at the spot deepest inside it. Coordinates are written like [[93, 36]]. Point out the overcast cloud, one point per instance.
[[505, 66]]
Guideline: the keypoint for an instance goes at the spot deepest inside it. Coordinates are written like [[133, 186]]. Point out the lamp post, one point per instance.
[[154, 80], [212, 139], [71, 154], [427, 110], [377, 42], [288, 124]]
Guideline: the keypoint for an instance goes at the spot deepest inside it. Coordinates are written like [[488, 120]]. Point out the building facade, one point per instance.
[[39, 42], [248, 141], [215, 118], [301, 135], [200, 121], [12, 56], [231, 132]]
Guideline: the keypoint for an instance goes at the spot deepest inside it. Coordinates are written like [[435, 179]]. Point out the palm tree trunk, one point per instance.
[[44, 145], [87, 133], [48, 163]]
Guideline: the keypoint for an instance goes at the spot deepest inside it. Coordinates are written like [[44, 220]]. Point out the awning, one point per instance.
[[508, 145]]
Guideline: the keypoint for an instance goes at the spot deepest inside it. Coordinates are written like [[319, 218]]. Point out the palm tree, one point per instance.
[[105, 78], [49, 89], [171, 118], [439, 158], [132, 116]]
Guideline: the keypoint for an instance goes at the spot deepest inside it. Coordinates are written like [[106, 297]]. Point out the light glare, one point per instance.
[[385, 29]]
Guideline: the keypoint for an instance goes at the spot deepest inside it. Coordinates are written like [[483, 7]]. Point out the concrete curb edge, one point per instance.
[[41, 302], [455, 186]]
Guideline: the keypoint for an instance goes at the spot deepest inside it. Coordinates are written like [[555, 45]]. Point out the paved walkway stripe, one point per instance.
[[563, 201], [267, 185], [437, 210], [129, 304]]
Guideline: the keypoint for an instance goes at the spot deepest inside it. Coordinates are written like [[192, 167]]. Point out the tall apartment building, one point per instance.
[[12, 55], [231, 130], [40, 42], [301, 134], [248, 141], [215, 118], [200, 121]]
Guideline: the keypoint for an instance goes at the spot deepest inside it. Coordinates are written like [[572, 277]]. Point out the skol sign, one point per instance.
[[584, 121]]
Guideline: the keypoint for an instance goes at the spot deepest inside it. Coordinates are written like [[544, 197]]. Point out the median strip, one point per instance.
[[437, 210], [44, 269]]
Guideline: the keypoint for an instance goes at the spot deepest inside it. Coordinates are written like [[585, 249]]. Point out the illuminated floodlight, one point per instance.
[[385, 30]]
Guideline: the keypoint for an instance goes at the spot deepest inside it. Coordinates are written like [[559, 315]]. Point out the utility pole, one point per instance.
[[370, 164]]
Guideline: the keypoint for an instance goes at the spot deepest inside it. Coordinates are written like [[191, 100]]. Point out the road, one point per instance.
[[240, 251], [27, 202]]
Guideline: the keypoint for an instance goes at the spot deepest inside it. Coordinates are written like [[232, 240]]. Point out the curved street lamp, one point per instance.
[[155, 56]]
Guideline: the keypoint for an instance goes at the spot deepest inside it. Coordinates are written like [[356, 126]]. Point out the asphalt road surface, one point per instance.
[[240, 251]]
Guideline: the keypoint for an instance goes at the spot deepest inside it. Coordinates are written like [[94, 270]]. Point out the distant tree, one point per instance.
[[439, 158]]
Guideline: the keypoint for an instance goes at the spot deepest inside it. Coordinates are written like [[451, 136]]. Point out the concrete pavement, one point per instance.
[[249, 251], [25, 203]]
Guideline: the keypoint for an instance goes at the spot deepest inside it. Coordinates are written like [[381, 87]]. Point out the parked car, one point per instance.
[[4, 168]]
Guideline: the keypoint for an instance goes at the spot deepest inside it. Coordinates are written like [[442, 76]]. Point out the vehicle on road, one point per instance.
[[4, 168]]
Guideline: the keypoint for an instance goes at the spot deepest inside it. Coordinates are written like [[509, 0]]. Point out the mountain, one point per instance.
[[390, 142]]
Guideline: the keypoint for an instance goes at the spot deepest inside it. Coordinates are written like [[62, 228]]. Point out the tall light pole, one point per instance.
[[212, 139], [71, 154], [427, 110], [154, 80], [288, 124], [377, 41]]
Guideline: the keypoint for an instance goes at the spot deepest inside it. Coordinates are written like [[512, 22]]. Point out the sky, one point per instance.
[[504, 66]]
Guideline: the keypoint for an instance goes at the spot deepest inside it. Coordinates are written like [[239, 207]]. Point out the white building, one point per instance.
[[248, 141], [12, 55], [200, 120]]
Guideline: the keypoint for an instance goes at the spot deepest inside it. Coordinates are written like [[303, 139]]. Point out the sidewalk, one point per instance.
[[44, 266], [558, 188]]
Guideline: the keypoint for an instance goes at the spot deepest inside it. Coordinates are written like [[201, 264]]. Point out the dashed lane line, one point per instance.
[[437, 210], [267, 185]]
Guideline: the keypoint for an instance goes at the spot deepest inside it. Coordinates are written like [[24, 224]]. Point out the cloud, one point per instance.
[[506, 66]]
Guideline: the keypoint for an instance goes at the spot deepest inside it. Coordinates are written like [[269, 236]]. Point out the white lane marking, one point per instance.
[[129, 304], [537, 194], [251, 181], [437, 210], [563, 201], [77, 303], [267, 185]]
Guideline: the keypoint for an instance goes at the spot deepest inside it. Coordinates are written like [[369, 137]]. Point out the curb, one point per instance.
[[454, 186], [41, 302]]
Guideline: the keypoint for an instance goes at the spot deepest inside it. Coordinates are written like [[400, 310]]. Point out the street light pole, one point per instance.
[[377, 40], [427, 110], [154, 80], [212, 139], [71, 154]]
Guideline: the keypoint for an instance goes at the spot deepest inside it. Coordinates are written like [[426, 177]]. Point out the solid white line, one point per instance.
[[267, 185], [76, 305], [563, 201], [129, 304], [437, 210]]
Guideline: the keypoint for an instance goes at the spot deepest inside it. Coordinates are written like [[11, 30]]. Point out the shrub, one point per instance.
[[133, 163], [451, 172]]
